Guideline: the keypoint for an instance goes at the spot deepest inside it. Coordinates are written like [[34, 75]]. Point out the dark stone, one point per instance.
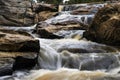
[[6, 71], [22, 63], [45, 34]]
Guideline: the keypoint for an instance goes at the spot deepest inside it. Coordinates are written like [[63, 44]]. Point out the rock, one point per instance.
[[16, 13], [87, 8], [24, 12], [44, 7], [14, 46], [106, 26], [46, 30], [44, 11], [45, 34], [8, 59], [58, 27], [80, 11], [22, 63], [17, 41], [44, 15]]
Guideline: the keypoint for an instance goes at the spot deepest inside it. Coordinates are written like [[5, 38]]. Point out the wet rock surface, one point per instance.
[[8, 60], [101, 61], [85, 8], [14, 44], [106, 26], [79, 46], [46, 30], [83, 55]]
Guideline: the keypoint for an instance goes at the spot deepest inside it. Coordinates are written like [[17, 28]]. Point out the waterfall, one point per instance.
[[48, 58], [66, 16], [71, 58]]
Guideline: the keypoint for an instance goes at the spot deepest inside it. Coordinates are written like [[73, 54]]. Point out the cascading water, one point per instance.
[[66, 16], [71, 58], [49, 58]]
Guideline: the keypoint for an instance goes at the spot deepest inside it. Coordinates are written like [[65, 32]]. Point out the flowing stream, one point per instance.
[[71, 58]]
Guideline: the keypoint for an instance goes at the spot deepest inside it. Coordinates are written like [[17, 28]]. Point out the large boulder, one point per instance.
[[16, 13], [17, 41], [23, 12], [105, 27], [17, 48], [8, 59]]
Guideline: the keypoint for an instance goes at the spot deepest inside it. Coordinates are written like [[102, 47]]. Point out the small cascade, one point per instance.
[[74, 34], [93, 56], [64, 17], [118, 58], [85, 6], [49, 58], [76, 54], [91, 61], [24, 28], [28, 30]]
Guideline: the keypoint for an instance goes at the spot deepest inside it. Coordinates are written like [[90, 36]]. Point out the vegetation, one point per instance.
[[70, 2]]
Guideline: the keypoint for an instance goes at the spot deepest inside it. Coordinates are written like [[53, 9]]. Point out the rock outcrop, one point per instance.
[[17, 41], [46, 30], [16, 13], [14, 47], [105, 27], [23, 12], [44, 11]]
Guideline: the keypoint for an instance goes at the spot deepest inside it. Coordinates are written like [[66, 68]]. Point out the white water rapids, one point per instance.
[[71, 58]]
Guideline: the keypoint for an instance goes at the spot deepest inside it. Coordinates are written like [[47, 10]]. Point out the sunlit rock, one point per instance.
[[106, 26], [46, 30], [17, 41], [17, 47]]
